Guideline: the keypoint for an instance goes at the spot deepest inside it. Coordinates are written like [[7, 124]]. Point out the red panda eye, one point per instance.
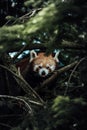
[[37, 70], [40, 67], [47, 67]]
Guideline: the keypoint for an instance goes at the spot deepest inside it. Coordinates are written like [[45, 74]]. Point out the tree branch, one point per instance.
[[56, 73], [68, 83], [18, 99], [27, 47], [25, 86], [19, 79]]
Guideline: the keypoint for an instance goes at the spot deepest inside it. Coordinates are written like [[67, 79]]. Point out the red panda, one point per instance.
[[38, 67], [43, 65]]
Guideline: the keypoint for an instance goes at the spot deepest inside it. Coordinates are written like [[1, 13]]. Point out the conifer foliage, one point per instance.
[[60, 101]]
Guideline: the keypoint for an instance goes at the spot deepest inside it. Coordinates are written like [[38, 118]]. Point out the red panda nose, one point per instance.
[[43, 73]]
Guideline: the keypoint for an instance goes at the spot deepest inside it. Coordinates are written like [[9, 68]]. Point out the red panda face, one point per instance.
[[42, 64]]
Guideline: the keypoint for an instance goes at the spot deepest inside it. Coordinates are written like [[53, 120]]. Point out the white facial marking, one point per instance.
[[47, 65], [52, 67], [35, 67], [43, 72], [41, 65]]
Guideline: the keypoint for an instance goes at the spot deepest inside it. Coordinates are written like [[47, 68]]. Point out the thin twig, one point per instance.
[[6, 125], [20, 51], [27, 15], [18, 99], [28, 87], [68, 83], [31, 101]]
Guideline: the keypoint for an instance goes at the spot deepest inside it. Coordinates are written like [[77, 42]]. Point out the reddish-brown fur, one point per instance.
[[42, 58], [23, 64], [39, 63], [44, 67]]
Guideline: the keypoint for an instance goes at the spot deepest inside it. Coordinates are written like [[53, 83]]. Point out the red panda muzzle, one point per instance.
[[43, 72]]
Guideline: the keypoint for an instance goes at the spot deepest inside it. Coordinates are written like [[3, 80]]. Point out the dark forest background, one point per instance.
[[60, 102]]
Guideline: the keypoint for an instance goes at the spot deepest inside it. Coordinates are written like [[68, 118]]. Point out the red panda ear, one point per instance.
[[56, 56], [33, 55]]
